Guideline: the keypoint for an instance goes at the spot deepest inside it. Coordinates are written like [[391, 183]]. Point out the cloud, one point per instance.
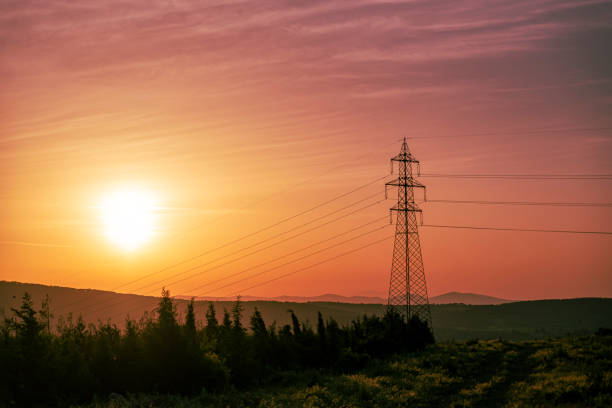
[[109, 71], [34, 244], [241, 98]]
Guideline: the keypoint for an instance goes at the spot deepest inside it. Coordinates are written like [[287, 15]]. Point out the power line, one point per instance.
[[289, 262], [267, 240], [427, 225], [249, 205], [518, 229], [314, 265], [256, 202], [369, 232], [290, 187], [287, 255], [516, 132], [537, 203], [261, 242], [239, 239], [284, 220], [556, 177], [278, 258], [523, 176], [302, 258], [441, 226]]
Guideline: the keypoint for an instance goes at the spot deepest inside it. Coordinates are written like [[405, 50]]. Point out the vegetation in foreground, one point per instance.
[[162, 362], [567, 372], [165, 355]]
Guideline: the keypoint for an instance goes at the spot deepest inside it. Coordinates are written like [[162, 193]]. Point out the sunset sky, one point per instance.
[[231, 116]]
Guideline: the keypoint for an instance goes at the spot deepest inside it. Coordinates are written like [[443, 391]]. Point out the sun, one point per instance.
[[128, 217]]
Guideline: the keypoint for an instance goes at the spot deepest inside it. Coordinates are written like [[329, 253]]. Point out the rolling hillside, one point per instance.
[[467, 299], [512, 321]]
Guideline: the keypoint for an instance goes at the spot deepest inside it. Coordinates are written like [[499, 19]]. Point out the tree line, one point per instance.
[[161, 353]]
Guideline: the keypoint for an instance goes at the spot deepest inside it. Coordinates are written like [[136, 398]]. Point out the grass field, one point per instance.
[[566, 372]]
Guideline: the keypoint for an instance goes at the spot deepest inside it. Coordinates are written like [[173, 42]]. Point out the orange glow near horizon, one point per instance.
[[137, 136]]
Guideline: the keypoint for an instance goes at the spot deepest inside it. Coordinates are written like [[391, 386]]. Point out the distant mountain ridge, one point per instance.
[[468, 299], [328, 297], [447, 298], [7, 288]]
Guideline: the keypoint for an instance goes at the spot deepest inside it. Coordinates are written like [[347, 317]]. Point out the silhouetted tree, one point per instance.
[[190, 324], [212, 325], [227, 321], [28, 353], [25, 324], [166, 311], [45, 313], [131, 355], [323, 354], [237, 310], [258, 326], [297, 331]]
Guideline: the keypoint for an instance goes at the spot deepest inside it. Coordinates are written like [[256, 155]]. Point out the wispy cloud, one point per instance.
[[34, 244], [221, 102]]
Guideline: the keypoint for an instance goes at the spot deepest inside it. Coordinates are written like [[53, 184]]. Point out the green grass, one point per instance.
[[567, 372]]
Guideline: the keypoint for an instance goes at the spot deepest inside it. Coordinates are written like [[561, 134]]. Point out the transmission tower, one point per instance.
[[407, 287]]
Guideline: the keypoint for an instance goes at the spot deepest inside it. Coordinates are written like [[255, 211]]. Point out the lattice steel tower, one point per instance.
[[407, 288]]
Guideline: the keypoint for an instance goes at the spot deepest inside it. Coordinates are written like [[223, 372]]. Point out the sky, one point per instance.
[[253, 121]]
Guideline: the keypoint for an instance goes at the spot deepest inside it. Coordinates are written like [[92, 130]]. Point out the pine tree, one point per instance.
[[166, 311], [227, 320], [190, 322], [237, 309], [258, 326], [27, 327], [45, 313], [30, 353], [212, 325], [297, 331], [322, 335]]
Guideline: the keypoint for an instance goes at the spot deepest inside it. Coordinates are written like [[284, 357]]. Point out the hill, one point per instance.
[[467, 299], [511, 321], [328, 297], [447, 298]]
